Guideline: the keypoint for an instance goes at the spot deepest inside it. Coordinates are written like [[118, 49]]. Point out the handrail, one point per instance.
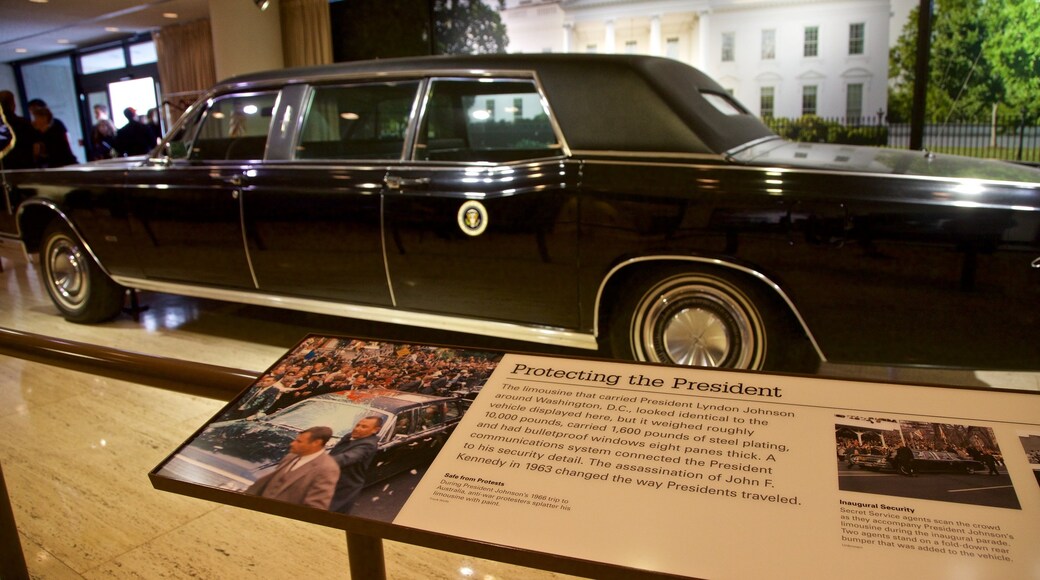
[[158, 371]]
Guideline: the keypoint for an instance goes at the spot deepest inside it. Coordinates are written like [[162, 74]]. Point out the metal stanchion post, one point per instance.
[[366, 557], [12, 560]]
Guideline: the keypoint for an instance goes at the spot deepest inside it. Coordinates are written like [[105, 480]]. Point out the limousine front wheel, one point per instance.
[[703, 318], [75, 283]]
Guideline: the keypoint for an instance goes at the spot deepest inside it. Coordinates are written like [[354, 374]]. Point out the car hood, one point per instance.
[[864, 159]]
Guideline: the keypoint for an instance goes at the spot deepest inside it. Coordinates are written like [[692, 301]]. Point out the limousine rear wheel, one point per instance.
[[74, 281], [703, 318]]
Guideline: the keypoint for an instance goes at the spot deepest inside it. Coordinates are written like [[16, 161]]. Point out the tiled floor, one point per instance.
[[77, 448]]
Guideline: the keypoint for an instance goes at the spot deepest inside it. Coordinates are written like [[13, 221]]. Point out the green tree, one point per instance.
[[1014, 51], [468, 27], [961, 82]]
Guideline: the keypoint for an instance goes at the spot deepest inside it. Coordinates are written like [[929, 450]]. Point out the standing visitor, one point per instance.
[[102, 134], [52, 148], [19, 130], [134, 138]]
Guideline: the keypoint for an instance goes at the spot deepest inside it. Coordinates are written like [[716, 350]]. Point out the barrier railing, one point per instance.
[[1008, 137]]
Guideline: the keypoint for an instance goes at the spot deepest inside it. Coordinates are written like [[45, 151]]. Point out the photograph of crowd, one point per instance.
[[923, 460], [321, 365], [338, 424]]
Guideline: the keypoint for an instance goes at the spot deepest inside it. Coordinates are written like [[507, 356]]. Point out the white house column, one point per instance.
[[568, 36], [608, 42], [655, 35], [703, 39]]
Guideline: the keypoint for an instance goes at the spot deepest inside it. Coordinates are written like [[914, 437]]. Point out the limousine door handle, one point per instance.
[[398, 182], [235, 180]]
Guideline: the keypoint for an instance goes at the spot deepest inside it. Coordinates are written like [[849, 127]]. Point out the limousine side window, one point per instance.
[[357, 121], [232, 128], [477, 120]]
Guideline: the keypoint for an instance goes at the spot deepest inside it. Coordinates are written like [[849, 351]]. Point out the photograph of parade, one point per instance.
[[338, 424], [922, 460], [1031, 444]]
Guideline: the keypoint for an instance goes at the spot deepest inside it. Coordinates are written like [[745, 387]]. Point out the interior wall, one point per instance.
[[245, 39]]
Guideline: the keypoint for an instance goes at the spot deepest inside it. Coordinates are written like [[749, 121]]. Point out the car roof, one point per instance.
[[383, 399], [631, 103]]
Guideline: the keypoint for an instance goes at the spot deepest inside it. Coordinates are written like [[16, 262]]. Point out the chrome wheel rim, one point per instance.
[[67, 273], [694, 320]]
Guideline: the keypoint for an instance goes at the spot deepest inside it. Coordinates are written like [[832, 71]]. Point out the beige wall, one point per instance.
[[244, 38]]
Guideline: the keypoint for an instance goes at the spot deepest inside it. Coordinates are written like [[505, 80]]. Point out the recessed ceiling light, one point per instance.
[[63, 41], [39, 1], [170, 15], [21, 50], [111, 29]]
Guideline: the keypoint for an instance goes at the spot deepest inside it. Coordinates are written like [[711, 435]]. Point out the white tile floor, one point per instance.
[[77, 448]]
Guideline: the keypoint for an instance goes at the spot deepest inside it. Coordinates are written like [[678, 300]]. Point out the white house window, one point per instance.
[[591, 49], [809, 100], [857, 34], [728, 42], [769, 44], [812, 41], [630, 46], [767, 101], [854, 102]]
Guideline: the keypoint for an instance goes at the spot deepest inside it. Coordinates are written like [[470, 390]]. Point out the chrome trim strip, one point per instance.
[[417, 118], [368, 75], [536, 334], [382, 243], [565, 148], [714, 262], [647, 155], [411, 134], [735, 166], [50, 205], [751, 144], [240, 196]]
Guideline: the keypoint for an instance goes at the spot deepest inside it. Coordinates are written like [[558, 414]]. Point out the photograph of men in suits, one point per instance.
[[306, 475], [353, 455]]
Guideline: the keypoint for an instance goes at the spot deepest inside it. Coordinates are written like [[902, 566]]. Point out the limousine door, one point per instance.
[[186, 209], [313, 219], [482, 222]]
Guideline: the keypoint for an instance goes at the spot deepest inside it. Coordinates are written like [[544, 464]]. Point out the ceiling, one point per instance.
[[43, 27]]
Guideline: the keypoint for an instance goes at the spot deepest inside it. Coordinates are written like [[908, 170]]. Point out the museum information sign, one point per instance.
[[706, 473]]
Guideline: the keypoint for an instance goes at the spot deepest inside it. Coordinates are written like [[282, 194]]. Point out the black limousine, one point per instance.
[[621, 203]]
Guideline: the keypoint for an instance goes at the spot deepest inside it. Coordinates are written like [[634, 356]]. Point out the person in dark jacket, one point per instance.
[[52, 148], [134, 138], [21, 130], [354, 454]]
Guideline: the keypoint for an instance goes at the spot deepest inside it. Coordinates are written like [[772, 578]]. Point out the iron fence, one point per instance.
[[1009, 137]]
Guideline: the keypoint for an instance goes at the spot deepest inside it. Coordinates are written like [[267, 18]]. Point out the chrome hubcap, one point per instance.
[[67, 272], [692, 320], [696, 337]]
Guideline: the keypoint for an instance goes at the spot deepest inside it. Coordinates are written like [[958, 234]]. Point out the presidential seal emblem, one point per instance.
[[473, 218]]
